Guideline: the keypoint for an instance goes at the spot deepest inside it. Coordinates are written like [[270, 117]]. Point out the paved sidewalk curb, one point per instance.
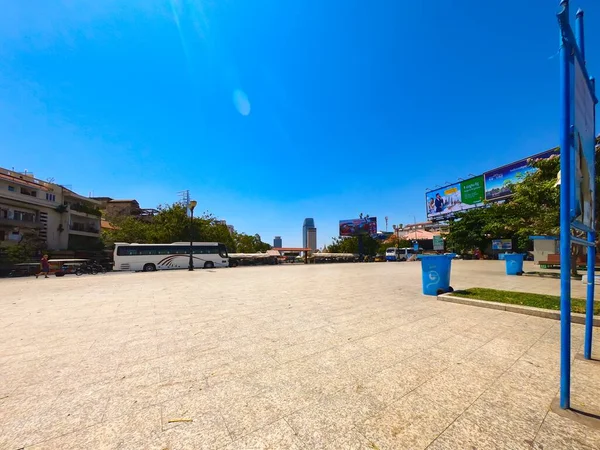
[[528, 310]]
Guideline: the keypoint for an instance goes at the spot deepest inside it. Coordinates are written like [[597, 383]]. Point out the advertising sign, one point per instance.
[[438, 243], [583, 175], [501, 244], [356, 227], [498, 182], [461, 196]]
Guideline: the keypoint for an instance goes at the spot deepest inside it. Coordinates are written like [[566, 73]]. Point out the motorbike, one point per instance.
[[90, 268]]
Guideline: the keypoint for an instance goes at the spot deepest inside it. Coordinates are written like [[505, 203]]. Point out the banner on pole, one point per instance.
[[584, 150]]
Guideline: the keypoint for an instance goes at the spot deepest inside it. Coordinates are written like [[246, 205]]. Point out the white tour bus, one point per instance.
[[151, 257]]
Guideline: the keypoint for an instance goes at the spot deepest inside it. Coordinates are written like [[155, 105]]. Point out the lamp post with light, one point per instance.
[[192, 205]]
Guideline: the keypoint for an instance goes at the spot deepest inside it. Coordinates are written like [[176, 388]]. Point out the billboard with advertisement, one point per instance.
[[444, 202], [501, 244], [583, 171], [498, 182], [358, 227]]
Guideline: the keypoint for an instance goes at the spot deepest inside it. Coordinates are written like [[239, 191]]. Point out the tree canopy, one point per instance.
[[533, 209], [172, 224]]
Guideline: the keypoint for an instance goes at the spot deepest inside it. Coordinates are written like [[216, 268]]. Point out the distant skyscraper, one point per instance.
[[309, 234], [311, 238], [277, 242]]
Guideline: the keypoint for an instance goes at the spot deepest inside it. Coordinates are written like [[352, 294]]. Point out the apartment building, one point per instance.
[[49, 212]]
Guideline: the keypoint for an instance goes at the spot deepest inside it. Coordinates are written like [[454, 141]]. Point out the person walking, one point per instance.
[[45, 267]]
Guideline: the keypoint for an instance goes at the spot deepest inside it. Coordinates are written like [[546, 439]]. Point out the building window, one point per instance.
[[23, 216], [30, 192], [51, 197], [11, 189]]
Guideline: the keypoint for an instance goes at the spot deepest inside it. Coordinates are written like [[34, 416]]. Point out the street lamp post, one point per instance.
[[192, 205]]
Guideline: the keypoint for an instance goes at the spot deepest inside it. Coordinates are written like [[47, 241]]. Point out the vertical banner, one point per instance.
[[583, 186]]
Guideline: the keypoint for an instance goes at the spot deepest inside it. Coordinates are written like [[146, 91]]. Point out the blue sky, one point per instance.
[[273, 111]]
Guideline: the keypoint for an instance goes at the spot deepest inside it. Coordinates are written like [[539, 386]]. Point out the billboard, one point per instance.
[[358, 227], [501, 244], [498, 182], [456, 197], [438, 243], [583, 171]]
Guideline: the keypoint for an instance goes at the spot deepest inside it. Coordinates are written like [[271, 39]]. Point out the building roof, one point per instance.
[[106, 225], [23, 181], [251, 255], [123, 201], [417, 234], [70, 193], [293, 249]]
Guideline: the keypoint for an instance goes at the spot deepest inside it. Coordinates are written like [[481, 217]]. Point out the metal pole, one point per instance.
[[191, 265], [360, 248], [589, 306], [415, 220], [565, 222], [579, 33]]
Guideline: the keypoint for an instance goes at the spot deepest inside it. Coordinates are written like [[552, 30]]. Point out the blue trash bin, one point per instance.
[[514, 263], [501, 256], [436, 273]]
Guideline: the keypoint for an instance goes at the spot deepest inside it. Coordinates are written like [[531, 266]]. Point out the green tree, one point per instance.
[[534, 209], [127, 229], [245, 243], [468, 231], [26, 250], [350, 245], [172, 224]]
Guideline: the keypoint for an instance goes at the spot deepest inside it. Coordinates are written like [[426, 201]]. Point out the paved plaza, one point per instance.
[[341, 356]]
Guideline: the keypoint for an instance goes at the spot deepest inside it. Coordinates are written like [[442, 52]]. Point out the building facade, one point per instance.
[[308, 223], [311, 238], [277, 242], [45, 212], [309, 234]]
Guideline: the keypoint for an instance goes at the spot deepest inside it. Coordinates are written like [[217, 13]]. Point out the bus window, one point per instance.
[[222, 251], [127, 251]]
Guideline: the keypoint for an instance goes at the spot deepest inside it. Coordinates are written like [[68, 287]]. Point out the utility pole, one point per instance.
[[185, 199]]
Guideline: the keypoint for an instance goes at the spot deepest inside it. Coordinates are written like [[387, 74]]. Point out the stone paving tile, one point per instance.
[[411, 422], [138, 430], [466, 434], [275, 435], [585, 386], [337, 356], [207, 428], [559, 432], [246, 415]]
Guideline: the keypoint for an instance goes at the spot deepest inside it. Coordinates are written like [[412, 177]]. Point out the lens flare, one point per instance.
[[241, 102]]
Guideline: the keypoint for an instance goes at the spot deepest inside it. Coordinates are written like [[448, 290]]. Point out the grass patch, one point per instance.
[[524, 298]]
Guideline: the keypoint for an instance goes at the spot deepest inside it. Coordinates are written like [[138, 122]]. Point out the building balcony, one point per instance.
[[36, 224], [84, 230], [75, 212], [84, 209]]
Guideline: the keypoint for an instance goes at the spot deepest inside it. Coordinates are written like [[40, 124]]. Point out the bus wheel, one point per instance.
[[149, 268], [209, 265]]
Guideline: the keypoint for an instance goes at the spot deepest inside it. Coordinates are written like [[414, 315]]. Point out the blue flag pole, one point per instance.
[[565, 222]]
